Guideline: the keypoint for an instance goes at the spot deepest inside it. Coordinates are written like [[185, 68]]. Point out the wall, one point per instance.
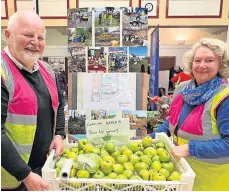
[[191, 35], [162, 20], [172, 50], [56, 36], [228, 35]]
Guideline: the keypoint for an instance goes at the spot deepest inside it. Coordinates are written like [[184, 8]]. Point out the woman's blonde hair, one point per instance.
[[220, 48]]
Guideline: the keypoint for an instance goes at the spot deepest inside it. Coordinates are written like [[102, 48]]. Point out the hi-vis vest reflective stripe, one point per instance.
[[21, 122], [201, 124]]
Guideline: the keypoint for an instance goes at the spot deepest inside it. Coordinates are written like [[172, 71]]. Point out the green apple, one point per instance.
[[106, 166], [156, 158], [73, 172], [74, 184], [90, 188], [127, 152], [121, 177], [82, 143], [135, 177], [140, 166], [121, 159], [156, 165], [122, 149], [175, 176], [98, 175], [159, 177], [150, 151], [164, 156], [104, 153], [109, 147], [147, 141], [108, 157], [160, 145], [164, 172], [152, 173], [83, 174], [81, 152], [139, 153], [112, 175], [75, 150], [71, 155], [88, 148], [135, 146], [57, 172], [144, 174], [146, 159], [168, 166], [115, 154], [66, 151], [153, 145], [159, 150], [138, 187], [96, 150], [128, 173], [60, 162], [118, 168], [108, 184], [128, 166], [134, 159]]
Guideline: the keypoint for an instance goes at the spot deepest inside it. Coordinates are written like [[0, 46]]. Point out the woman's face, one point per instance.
[[205, 65]]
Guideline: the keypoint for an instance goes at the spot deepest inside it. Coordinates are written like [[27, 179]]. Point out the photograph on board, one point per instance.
[[57, 63], [138, 118], [138, 60], [107, 17], [103, 114], [77, 59], [117, 59], [76, 122], [134, 17], [97, 62], [79, 18], [134, 36], [107, 36], [79, 37]]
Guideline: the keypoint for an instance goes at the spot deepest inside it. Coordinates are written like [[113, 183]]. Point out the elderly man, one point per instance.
[[32, 118]]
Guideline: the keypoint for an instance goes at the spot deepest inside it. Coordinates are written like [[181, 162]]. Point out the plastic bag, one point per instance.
[[89, 162]]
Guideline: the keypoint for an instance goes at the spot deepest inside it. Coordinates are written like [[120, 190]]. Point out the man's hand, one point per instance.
[[180, 151], [58, 144], [34, 182]]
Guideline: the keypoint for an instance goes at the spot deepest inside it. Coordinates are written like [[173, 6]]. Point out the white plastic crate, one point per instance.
[[75, 184]]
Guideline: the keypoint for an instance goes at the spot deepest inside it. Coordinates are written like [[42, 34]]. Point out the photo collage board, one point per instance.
[[108, 40]]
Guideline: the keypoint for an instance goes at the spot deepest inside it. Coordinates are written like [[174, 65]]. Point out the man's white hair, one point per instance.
[[13, 20]]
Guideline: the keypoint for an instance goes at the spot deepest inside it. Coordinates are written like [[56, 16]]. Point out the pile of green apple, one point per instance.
[[140, 160]]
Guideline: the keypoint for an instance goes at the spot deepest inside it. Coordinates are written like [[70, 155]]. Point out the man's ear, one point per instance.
[[7, 34]]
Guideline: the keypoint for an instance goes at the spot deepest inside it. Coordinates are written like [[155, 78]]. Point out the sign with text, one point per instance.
[[109, 130]]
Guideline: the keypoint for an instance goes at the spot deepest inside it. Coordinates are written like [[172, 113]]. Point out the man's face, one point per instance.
[[27, 41]]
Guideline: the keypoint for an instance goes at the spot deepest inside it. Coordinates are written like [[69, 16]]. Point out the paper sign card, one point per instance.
[[109, 130]]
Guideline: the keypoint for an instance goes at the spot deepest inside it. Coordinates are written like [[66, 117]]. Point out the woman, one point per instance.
[[199, 118]]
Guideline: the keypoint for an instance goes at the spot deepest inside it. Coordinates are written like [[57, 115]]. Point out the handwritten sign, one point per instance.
[[108, 130]]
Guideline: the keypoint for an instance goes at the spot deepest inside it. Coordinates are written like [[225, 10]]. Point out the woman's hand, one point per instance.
[[180, 151]]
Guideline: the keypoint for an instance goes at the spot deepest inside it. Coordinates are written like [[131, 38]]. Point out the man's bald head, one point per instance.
[[20, 17], [25, 37]]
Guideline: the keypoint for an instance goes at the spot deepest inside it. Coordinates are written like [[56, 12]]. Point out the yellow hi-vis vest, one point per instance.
[[21, 122], [201, 125]]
